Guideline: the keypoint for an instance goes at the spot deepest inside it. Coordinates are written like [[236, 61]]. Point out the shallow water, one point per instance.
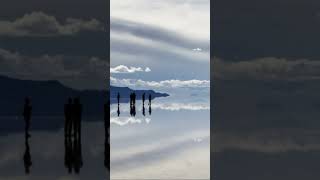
[[171, 143]]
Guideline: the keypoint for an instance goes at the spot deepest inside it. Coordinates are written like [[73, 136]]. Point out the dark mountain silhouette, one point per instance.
[[48, 97], [125, 94]]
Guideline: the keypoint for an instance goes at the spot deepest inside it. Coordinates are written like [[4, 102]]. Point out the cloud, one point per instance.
[[268, 140], [41, 24], [147, 69], [181, 106], [125, 69], [169, 107], [174, 83], [267, 68], [77, 72], [197, 49], [122, 121], [155, 33], [190, 18]]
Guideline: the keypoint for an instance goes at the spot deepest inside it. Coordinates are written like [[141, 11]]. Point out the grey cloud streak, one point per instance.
[[155, 33], [42, 24], [77, 72], [276, 140], [267, 68]]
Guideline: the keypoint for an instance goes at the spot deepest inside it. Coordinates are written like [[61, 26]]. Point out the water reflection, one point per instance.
[[107, 135], [27, 156], [73, 151], [27, 111]]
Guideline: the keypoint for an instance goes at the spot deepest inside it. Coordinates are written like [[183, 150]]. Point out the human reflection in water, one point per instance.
[[133, 104], [107, 135], [27, 110], [143, 108], [150, 110], [73, 152], [27, 156]]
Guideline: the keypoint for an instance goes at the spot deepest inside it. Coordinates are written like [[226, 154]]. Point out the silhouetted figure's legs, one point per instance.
[[68, 117], [134, 110], [27, 156], [143, 110]]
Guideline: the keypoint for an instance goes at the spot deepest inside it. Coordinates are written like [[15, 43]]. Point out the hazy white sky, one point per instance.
[[169, 37]]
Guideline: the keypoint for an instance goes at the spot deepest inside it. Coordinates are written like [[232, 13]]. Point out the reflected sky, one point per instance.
[[47, 153], [172, 143]]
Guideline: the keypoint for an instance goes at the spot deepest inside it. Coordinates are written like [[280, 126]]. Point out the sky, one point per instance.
[[51, 41], [265, 74], [160, 43]]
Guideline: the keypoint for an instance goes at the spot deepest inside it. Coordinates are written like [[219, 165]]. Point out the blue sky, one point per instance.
[[166, 42]]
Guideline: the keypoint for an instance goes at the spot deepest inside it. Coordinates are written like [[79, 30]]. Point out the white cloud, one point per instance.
[[181, 106], [147, 69], [197, 49], [122, 121], [174, 83], [41, 24], [126, 69]]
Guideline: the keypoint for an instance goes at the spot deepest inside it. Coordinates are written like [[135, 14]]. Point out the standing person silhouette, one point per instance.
[[77, 113], [118, 98], [27, 111], [134, 98], [143, 98], [150, 99], [131, 99], [68, 117]]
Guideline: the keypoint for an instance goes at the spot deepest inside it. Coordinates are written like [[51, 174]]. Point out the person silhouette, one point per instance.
[[27, 111], [131, 99], [27, 156], [143, 98], [118, 98], [68, 117], [150, 99], [77, 113], [134, 98]]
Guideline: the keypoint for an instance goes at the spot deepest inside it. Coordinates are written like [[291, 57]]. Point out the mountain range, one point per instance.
[[48, 97]]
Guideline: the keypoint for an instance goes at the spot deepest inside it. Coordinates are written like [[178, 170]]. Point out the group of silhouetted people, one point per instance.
[[73, 114], [73, 153], [133, 97]]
